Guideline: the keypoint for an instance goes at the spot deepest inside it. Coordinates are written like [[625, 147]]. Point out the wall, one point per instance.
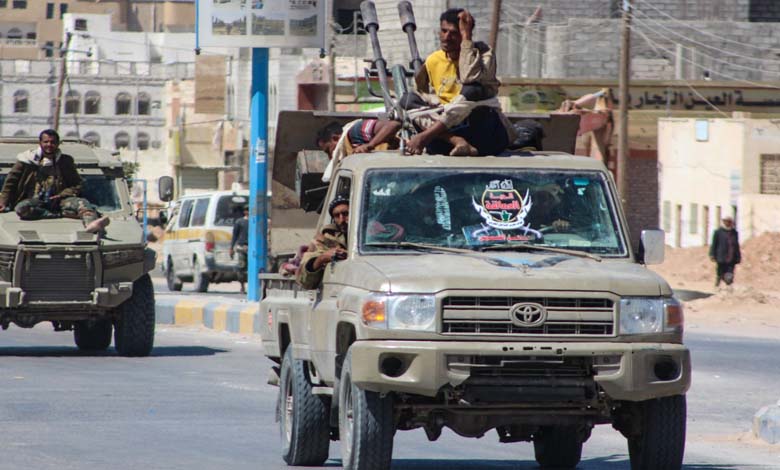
[[701, 173]]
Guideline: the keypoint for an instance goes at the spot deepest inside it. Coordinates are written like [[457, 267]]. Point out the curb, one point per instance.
[[235, 317]]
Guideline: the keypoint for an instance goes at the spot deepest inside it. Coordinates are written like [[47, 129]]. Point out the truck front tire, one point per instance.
[[134, 325], [173, 281], [304, 418], [92, 336], [366, 425], [558, 447], [661, 443]]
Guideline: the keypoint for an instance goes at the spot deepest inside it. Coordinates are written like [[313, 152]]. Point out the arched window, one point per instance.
[[93, 138], [14, 33], [122, 140], [123, 101], [72, 135], [21, 101], [144, 102], [92, 102], [20, 133], [72, 102], [142, 141]]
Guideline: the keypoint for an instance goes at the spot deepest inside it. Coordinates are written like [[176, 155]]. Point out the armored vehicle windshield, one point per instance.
[[477, 209]]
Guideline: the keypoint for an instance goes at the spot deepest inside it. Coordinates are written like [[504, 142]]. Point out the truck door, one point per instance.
[[182, 258]]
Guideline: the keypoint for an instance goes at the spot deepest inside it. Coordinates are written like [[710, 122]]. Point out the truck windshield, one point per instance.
[[476, 209], [100, 190]]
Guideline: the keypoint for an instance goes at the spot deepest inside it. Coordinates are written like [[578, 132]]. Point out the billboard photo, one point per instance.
[[261, 23]]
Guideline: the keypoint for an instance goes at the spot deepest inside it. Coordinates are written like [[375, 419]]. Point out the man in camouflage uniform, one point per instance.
[[44, 184], [330, 245]]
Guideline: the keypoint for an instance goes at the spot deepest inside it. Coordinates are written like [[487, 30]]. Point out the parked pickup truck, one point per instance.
[[480, 294]]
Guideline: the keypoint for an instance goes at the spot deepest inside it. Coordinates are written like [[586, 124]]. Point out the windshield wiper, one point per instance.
[[420, 246], [515, 246]]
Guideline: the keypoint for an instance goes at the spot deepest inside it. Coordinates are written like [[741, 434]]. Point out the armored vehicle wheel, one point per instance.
[[201, 281], [93, 336], [134, 325], [558, 447], [174, 283], [661, 443], [304, 418], [366, 425]]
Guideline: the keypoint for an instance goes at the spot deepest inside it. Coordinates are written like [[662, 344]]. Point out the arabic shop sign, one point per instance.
[[543, 97]]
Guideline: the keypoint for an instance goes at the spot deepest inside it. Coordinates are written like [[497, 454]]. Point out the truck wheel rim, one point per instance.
[[348, 413], [288, 411]]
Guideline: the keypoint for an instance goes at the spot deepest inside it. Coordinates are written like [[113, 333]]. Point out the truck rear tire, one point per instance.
[[173, 281], [661, 443], [201, 281], [558, 447], [92, 336], [366, 425], [134, 325], [304, 418]]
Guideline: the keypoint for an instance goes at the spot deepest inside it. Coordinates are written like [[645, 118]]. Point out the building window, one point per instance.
[[14, 35], [93, 138], [123, 101], [72, 102], [143, 104], [19, 4], [702, 130], [667, 216], [63, 9], [20, 133], [49, 49], [49, 11], [92, 103], [80, 25], [21, 101], [770, 173], [346, 18], [693, 226], [122, 140], [142, 141]]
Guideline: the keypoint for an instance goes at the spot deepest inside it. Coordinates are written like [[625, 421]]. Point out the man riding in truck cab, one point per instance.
[[330, 245]]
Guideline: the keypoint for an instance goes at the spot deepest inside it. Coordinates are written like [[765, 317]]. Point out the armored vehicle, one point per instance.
[[52, 270]]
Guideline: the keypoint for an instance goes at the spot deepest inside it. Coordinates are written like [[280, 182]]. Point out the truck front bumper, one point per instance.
[[109, 296], [624, 371]]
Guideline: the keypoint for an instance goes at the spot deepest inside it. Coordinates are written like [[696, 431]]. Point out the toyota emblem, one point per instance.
[[527, 314]]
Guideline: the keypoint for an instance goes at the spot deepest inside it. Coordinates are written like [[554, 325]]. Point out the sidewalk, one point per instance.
[[235, 316]]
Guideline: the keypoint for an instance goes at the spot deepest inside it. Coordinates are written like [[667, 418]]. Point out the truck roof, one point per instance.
[[549, 160], [82, 152]]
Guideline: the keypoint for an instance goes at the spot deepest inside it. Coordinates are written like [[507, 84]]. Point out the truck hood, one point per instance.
[[431, 273], [121, 231]]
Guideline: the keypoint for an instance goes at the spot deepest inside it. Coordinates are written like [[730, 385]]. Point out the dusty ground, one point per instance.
[[749, 307]]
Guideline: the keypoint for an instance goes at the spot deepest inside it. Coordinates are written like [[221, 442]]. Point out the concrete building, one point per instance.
[[710, 168], [33, 29]]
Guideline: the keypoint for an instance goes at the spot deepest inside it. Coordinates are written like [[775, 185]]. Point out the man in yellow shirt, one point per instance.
[[461, 76]]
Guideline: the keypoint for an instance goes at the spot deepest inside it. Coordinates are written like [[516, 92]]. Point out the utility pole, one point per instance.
[[61, 81], [625, 69], [495, 19]]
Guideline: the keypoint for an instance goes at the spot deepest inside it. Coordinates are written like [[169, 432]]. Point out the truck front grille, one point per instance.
[[474, 315], [58, 276], [7, 265]]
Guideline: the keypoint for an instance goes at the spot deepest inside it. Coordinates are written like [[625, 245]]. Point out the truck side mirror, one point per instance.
[[651, 247], [165, 188]]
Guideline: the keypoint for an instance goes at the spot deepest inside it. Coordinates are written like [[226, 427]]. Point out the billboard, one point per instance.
[[261, 23]]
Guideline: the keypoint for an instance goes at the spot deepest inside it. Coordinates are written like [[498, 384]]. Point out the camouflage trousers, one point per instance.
[[71, 208], [242, 251]]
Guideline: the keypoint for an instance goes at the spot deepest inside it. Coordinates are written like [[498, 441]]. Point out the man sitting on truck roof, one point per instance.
[[44, 184], [358, 136], [462, 77], [330, 245]]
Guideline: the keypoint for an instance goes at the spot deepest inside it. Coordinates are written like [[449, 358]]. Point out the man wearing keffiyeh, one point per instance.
[[45, 184]]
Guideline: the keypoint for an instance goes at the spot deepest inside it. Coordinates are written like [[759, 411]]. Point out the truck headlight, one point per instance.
[[642, 315], [400, 312]]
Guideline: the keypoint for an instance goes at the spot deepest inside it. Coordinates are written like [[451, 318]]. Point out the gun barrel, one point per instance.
[[368, 11], [409, 26]]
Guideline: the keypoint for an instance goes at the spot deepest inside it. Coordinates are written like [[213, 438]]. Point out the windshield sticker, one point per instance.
[[502, 206], [386, 191], [482, 234], [442, 208]]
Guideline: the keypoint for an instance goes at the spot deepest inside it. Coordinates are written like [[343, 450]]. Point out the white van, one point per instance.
[[197, 239]]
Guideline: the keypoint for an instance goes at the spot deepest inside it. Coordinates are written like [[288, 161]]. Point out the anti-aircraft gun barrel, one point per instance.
[[371, 23], [409, 26]]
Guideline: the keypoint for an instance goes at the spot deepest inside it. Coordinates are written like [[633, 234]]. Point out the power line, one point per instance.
[[706, 33], [688, 39]]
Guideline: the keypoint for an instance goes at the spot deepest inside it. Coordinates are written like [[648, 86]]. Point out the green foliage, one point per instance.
[[130, 169]]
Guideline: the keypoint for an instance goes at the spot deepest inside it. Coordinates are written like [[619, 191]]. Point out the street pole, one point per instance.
[[625, 69], [61, 81], [494, 25], [258, 172]]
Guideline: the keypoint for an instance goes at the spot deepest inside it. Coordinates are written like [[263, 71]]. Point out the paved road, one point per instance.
[[201, 402], [216, 292]]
